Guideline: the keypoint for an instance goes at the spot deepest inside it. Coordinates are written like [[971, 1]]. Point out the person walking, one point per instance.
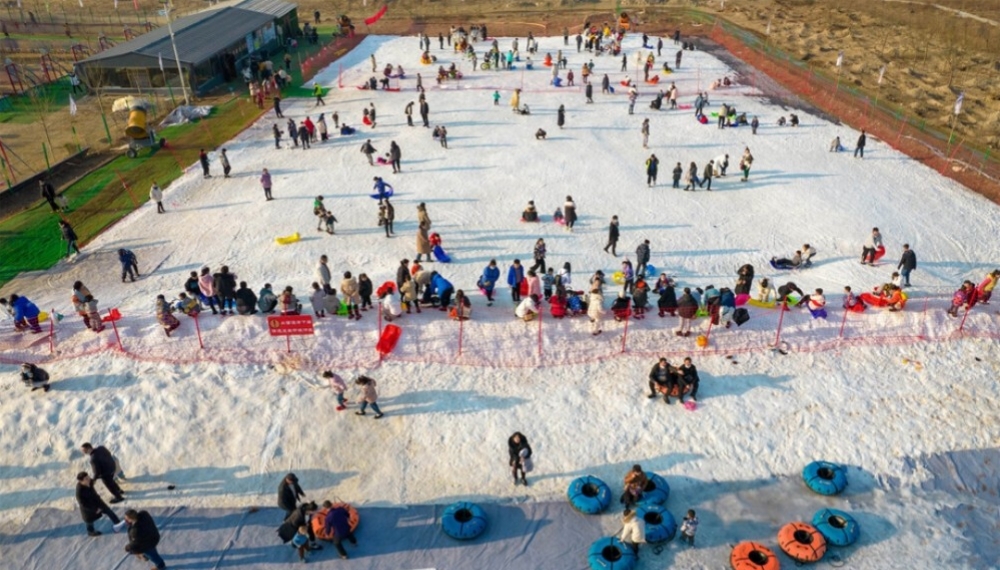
[[706, 175], [569, 213], [368, 150], [49, 193], [860, 147], [539, 256], [69, 236], [129, 263], [92, 506], [143, 538], [633, 531], [677, 173], [519, 457], [369, 396], [613, 235], [265, 182], [156, 195], [203, 159], [515, 275], [104, 467], [390, 216], [652, 167], [645, 133], [395, 155], [277, 102], [561, 116], [642, 258], [224, 161], [289, 494], [907, 263], [589, 92], [318, 94]]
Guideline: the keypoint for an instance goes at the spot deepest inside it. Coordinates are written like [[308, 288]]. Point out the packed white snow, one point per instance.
[[897, 393]]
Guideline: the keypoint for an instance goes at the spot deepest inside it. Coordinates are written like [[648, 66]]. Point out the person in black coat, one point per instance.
[[515, 444], [92, 506], [299, 517], [246, 300], [34, 377], [561, 116], [402, 273], [907, 263], [787, 289], [663, 376], [612, 236], [104, 466], [49, 193], [224, 283], [143, 537], [689, 377], [744, 280], [289, 494]]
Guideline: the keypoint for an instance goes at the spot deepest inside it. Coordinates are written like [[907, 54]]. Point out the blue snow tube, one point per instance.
[[650, 270], [463, 521], [660, 524], [657, 489], [609, 553], [837, 527], [825, 478], [440, 254], [589, 495]]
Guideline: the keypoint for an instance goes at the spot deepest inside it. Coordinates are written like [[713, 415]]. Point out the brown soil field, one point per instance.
[[932, 51]]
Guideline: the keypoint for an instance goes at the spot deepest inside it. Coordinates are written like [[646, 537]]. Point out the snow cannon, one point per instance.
[[137, 129]]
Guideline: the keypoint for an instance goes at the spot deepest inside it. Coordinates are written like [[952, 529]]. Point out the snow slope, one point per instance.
[[224, 424]]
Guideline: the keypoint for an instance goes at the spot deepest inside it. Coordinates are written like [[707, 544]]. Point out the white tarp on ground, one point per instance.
[[185, 113]]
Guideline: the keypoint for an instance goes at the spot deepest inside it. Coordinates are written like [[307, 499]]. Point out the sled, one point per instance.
[[285, 240], [654, 80], [873, 300], [781, 267], [618, 278], [879, 252], [440, 254], [761, 304], [742, 299], [388, 340], [113, 315], [703, 120], [344, 310], [857, 308], [818, 313], [685, 107], [42, 316], [386, 194], [650, 270], [387, 287], [524, 287], [367, 121]]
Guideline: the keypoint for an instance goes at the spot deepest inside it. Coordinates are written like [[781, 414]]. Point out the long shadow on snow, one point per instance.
[[210, 481], [448, 402]]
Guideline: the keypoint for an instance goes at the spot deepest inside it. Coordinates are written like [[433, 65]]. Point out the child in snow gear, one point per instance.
[[318, 300], [519, 455], [156, 195], [166, 320], [689, 526], [369, 396], [267, 300], [488, 281], [130, 265], [265, 182], [338, 386], [515, 275], [871, 244], [224, 161], [289, 303], [34, 377], [352, 298]]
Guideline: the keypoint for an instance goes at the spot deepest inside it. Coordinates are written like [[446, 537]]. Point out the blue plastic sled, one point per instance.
[[440, 255], [611, 89], [386, 194], [780, 266], [818, 313], [557, 82]]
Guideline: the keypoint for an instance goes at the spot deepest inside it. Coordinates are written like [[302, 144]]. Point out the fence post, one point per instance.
[[52, 331], [625, 335], [380, 356], [114, 327], [965, 316], [539, 334], [127, 189], [781, 319], [843, 322], [197, 329], [461, 333]]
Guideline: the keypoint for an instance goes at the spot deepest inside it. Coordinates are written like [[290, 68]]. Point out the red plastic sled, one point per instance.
[[879, 252], [388, 340], [524, 287], [114, 316], [873, 300]]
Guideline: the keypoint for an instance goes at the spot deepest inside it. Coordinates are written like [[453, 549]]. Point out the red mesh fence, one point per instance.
[[494, 338], [956, 159]]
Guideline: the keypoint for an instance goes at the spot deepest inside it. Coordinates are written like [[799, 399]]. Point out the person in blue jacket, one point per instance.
[[443, 289], [515, 275], [727, 300], [25, 314], [382, 188], [130, 265], [488, 281]]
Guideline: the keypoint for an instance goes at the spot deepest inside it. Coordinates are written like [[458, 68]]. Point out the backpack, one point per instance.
[[741, 316]]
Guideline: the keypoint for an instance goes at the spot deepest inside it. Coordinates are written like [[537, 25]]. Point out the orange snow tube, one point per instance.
[[319, 520], [753, 556], [802, 542]]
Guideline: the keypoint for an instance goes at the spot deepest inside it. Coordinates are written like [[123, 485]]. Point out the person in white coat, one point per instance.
[[323, 271], [633, 531], [528, 309], [720, 164], [595, 304], [156, 195], [390, 307]]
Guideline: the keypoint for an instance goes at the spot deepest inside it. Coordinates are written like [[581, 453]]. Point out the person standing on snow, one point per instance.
[[561, 116], [156, 195], [395, 155], [515, 275], [652, 166], [224, 161], [92, 506], [352, 298], [368, 150], [633, 531], [318, 94], [70, 237], [539, 256], [129, 263], [645, 133], [488, 281], [105, 467], [613, 234], [860, 147], [642, 258], [322, 271], [595, 304], [907, 263], [692, 177], [706, 175], [265, 182], [289, 494], [203, 159], [569, 213], [206, 284], [143, 538], [519, 457], [677, 173], [277, 106], [369, 396]]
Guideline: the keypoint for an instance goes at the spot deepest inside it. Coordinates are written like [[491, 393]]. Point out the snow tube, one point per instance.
[[618, 277], [387, 194], [761, 304], [650, 269], [802, 542], [657, 490], [703, 120], [388, 340], [742, 299], [660, 524], [387, 287], [463, 521], [624, 83], [285, 240], [873, 300], [753, 556], [837, 527], [589, 495], [556, 81], [653, 80], [780, 266], [857, 308], [440, 254], [609, 553], [824, 477], [818, 313], [319, 520]]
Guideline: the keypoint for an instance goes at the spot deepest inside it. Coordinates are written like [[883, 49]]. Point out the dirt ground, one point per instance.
[[931, 53]]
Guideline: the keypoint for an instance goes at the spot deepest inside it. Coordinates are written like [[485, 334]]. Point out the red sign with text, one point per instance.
[[290, 325]]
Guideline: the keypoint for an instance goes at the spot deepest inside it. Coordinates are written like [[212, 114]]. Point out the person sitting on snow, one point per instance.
[[964, 297], [530, 214], [557, 217], [816, 303], [528, 309], [835, 145], [785, 263], [895, 300], [540, 135], [765, 291], [851, 301], [34, 377], [781, 121], [462, 311], [187, 305], [619, 308]]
